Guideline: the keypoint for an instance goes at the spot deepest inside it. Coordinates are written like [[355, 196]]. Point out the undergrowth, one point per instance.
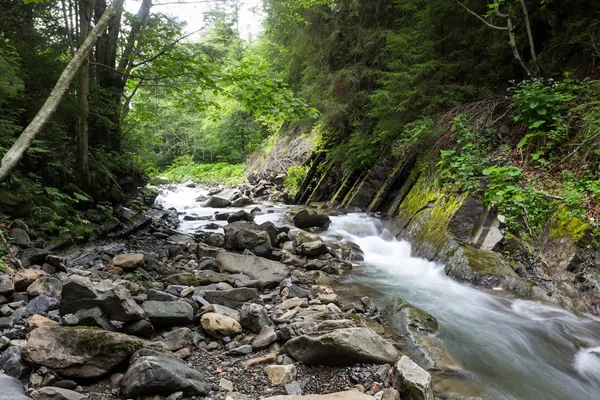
[[184, 169]]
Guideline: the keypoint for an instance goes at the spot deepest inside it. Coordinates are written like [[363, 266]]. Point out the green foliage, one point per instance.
[[295, 177], [184, 169]]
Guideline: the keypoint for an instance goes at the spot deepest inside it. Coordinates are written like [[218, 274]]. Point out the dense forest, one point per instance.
[[499, 96]]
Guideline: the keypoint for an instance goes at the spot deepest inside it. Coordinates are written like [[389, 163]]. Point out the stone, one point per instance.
[[254, 317], [242, 202], [412, 381], [55, 393], [199, 278], [25, 277], [311, 218], [342, 347], [348, 395], [242, 235], [20, 237], [226, 385], [79, 352], [313, 249], [128, 261], [7, 322], [37, 320], [219, 325], [265, 338], [168, 313], [241, 215], [152, 373], [266, 359], [114, 300], [178, 339], [12, 389], [6, 285], [47, 285], [268, 272], [293, 389], [292, 303], [222, 310], [42, 304], [217, 202], [281, 374], [13, 364], [142, 328], [233, 298]]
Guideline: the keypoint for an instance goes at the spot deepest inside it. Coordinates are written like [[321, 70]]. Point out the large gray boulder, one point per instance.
[[168, 313], [342, 347], [79, 352], [47, 286], [115, 301], [311, 219], [232, 298], [151, 373], [242, 235], [412, 381], [268, 272], [11, 388]]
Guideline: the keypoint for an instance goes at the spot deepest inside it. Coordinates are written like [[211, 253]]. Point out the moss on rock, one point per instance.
[[564, 224]]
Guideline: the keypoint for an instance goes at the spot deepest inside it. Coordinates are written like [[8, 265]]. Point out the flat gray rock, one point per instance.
[[11, 388], [267, 272]]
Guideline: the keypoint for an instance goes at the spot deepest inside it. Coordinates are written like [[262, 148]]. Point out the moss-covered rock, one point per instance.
[[79, 352]]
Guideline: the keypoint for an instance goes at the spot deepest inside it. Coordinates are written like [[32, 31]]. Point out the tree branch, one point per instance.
[[479, 17]]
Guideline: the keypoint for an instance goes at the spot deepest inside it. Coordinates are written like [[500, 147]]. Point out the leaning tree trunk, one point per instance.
[[82, 164], [23, 143]]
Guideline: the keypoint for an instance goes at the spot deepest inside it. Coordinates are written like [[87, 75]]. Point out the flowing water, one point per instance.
[[516, 349]]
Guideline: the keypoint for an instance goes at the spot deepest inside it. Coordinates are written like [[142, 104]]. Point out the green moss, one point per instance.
[[486, 262], [417, 319], [564, 224], [437, 208], [92, 340]]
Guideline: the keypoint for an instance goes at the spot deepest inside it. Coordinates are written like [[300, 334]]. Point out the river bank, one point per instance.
[[242, 269]]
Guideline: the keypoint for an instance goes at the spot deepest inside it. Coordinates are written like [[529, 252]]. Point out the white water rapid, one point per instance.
[[516, 349]]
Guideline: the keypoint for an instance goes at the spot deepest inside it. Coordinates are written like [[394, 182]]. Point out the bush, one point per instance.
[[295, 177], [185, 169]]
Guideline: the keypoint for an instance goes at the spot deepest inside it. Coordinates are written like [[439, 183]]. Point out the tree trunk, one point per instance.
[[82, 166], [23, 143]]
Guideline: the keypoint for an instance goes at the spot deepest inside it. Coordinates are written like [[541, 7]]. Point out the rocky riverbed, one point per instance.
[[157, 313]]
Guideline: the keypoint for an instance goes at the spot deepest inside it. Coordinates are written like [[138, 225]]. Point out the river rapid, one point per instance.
[[516, 349]]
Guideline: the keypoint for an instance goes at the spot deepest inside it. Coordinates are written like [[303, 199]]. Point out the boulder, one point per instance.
[[25, 277], [12, 363], [242, 202], [114, 301], [269, 273], [265, 338], [217, 202], [47, 285], [79, 352], [311, 219], [219, 325], [342, 347], [281, 374], [178, 339], [242, 235], [412, 381], [233, 298], [20, 237], [151, 373], [55, 393], [128, 261], [6, 284], [313, 249], [221, 310], [168, 313], [36, 320], [12, 389], [254, 317], [42, 304], [348, 395], [241, 215]]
